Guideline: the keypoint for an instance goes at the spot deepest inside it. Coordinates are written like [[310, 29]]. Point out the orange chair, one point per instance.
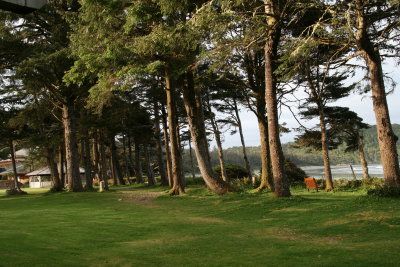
[[311, 183]]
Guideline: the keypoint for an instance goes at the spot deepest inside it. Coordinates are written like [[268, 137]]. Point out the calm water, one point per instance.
[[343, 171]]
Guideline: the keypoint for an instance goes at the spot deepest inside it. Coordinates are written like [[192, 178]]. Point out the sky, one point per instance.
[[361, 104]]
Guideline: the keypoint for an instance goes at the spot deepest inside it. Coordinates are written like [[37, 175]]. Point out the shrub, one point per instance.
[[347, 183], [14, 191], [373, 182], [384, 191], [233, 171], [293, 173]]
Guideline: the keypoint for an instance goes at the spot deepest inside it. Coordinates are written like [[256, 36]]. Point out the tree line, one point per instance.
[[99, 81]]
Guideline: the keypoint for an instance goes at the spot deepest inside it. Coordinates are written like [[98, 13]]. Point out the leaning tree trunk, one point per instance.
[[138, 164], [71, 149], [50, 155], [386, 137], [14, 165], [176, 159], [217, 136], [149, 169], [239, 122], [325, 151], [363, 160], [194, 110], [271, 47], [166, 145]]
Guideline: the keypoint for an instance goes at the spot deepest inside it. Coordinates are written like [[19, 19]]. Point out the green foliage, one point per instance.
[[384, 191], [233, 171], [13, 192], [294, 174]]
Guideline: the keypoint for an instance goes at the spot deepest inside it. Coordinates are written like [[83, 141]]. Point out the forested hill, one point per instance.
[[338, 156], [305, 156]]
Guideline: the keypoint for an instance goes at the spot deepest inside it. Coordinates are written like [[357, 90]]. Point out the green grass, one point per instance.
[[140, 227]]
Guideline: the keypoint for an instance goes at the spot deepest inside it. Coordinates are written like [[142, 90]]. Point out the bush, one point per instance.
[[14, 191], [373, 182], [233, 171], [347, 183], [293, 173], [384, 191]]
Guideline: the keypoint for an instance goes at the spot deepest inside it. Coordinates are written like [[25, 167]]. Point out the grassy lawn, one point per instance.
[[143, 227]]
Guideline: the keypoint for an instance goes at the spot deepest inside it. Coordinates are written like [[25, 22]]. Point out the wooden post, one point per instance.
[[101, 184]]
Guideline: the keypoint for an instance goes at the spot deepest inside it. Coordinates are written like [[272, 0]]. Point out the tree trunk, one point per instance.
[[103, 161], [194, 110], [57, 186], [239, 122], [217, 136], [87, 163], [325, 151], [157, 134], [271, 46], [131, 166], [138, 164], [363, 160], [191, 158], [253, 61], [61, 165], [112, 169], [386, 137], [96, 157], [115, 161], [176, 158], [181, 149], [14, 165], [267, 180], [71, 149], [149, 169], [166, 146], [126, 158]]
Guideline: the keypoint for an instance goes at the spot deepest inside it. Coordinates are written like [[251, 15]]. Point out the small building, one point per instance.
[[41, 178], [22, 6], [6, 167]]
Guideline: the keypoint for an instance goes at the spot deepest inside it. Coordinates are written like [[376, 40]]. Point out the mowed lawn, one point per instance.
[[141, 226]]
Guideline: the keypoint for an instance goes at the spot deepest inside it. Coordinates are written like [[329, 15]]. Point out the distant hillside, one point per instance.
[[304, 156], [338, 156]]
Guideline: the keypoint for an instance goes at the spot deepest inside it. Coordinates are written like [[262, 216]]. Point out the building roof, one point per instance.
[[22, 153], [46, 171]]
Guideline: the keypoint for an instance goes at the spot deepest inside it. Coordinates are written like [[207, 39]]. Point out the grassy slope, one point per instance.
[[132, 228]]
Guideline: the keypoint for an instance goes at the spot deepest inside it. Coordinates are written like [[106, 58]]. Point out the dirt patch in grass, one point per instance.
[[292, 209], [206, 220], [143, 198], [285, 233], [361, 216], [157, 241]]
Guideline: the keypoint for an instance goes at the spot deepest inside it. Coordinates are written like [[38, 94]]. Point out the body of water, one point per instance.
[[343, 171]]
